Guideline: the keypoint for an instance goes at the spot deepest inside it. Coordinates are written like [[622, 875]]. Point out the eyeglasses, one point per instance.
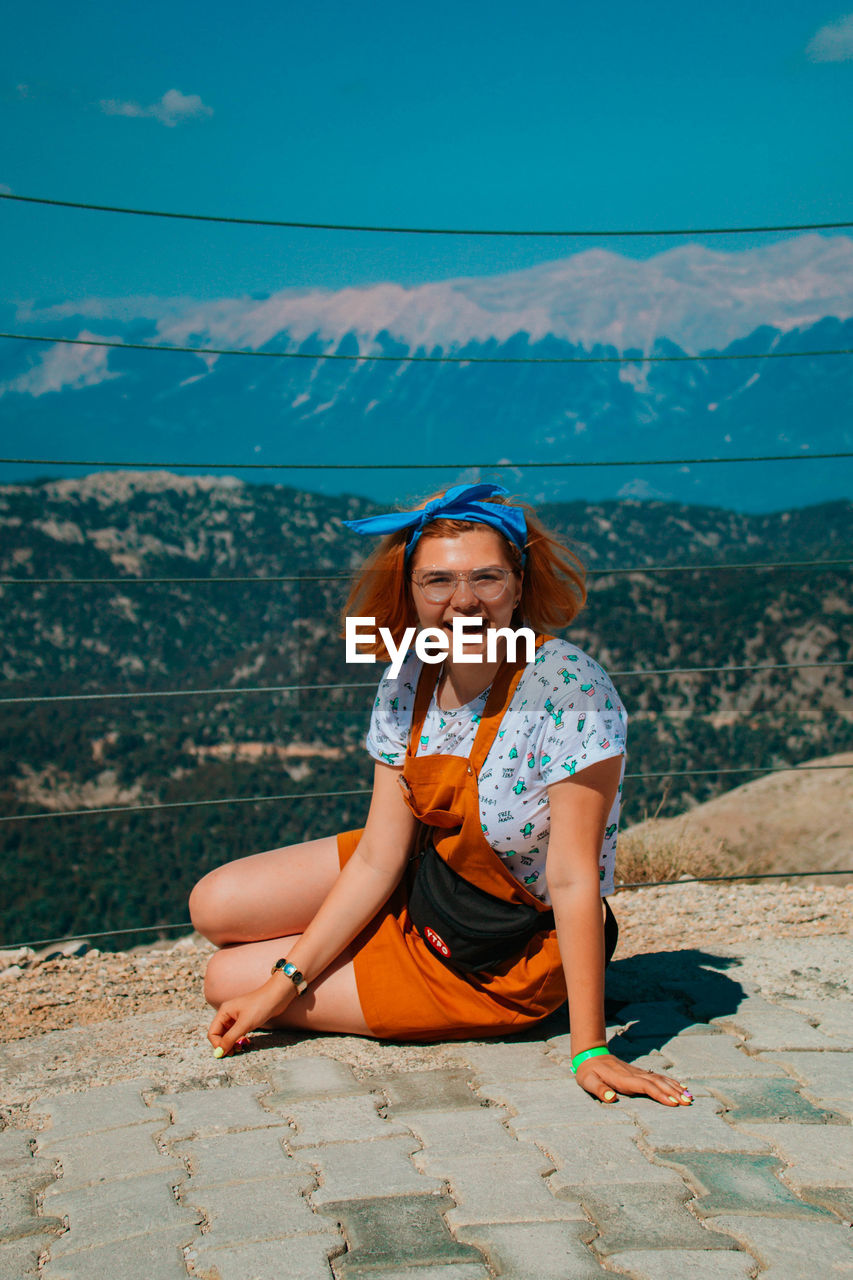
[[439, 585]]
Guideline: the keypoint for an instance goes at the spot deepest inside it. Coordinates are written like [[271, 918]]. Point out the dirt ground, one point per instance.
[[42, 994]]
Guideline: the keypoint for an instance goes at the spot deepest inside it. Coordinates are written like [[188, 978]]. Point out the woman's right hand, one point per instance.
[[242, 1014]]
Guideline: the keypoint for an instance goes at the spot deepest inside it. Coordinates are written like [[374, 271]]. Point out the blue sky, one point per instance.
[[471, 114]]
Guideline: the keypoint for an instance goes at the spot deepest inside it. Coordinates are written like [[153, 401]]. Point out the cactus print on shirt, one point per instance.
[[565, 715]]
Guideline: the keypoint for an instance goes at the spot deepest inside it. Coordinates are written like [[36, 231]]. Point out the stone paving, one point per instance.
[[486, 1160]]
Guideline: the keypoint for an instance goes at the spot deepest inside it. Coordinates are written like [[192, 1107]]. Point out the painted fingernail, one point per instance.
[[669, 1095], [609, 1095], [688, 1096], [241, 1044], [219, 1052]]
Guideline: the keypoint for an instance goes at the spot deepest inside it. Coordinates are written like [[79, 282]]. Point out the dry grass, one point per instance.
[[659, 852]]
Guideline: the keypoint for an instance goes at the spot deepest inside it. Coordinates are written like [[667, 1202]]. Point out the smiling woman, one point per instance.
[[474, 900]]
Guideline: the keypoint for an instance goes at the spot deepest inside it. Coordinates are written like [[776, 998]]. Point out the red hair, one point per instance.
[[553, 590]]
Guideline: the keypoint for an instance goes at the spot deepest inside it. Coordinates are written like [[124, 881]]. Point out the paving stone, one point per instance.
[[739, 1184], [477, 1133], [559, 1047], [105, 1157], [359, 1170], [587, 1155], [456, 1271], [16, 1152], [158, 1256], [637, 1217], [820, 1155], [251, 1156], [642, 1051], [516, 1061], [353, 1119], [709, 991], [664, 1018], [712, 1055], [838, 1200], [537, 1103], [116, 1211], [756, 1101], [205, 1112], [313, 1077], [769, 1026], [683, 1264], [240, 1213], [828, 1077], [535, 1250], [792, 1249], [835, 1020], [430, 1091], [19, 1259], [396, 1232], [305, 1257], [694, 1128], [110, 1106], [22, 1177], [502, 1189]]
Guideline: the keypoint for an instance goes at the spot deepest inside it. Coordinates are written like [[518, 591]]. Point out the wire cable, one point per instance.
[[805, 456], [184, 693], [182, 804], [296, 688], [325, 795], [410, 359], [105, 933], [336, 577], [636, 884], [695, 773], [417, 231], [763, 875]]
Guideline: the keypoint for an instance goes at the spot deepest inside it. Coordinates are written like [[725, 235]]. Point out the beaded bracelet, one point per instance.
[[588, 1053]]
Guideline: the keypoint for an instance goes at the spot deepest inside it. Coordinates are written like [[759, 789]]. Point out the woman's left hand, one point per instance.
[[606, 1076], [242, 1014]]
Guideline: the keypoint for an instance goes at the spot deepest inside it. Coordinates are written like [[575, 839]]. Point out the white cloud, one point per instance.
[[832, 43], [173, 108], [61, 368]]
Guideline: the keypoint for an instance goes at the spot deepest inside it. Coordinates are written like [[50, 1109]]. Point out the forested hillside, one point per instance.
[[116, 870]]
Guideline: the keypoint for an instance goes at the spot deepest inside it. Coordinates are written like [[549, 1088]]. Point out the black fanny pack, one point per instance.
[[467, 928]]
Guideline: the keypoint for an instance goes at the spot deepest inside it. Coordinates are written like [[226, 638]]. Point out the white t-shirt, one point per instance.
[[565, 715]]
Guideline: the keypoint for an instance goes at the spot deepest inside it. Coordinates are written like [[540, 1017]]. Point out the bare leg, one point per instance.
[[267, 895], [254, 908], [331, 1003]]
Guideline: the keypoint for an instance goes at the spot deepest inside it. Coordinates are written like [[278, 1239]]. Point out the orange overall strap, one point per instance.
[[504, 686]]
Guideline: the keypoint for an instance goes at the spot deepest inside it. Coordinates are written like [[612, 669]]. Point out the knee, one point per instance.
[[218, 979], [211, 905]]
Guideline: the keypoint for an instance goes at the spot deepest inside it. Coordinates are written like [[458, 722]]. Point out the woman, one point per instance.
[[508, 772]]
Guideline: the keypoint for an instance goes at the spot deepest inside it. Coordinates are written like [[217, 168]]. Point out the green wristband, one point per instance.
[[588, 1053]]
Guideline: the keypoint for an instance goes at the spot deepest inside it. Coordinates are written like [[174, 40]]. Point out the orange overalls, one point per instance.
[[406, 992]]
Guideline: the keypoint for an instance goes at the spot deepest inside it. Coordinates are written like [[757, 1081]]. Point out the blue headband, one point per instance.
[[462, 502]]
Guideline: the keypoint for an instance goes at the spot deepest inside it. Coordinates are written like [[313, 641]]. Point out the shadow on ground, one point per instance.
[[686, 988]]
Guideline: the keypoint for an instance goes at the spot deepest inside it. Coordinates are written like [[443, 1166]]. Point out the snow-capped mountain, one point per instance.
[[797, 294], [698, 298]]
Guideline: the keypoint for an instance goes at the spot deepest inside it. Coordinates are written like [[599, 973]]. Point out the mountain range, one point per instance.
[[256, 577], [450, 420]]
